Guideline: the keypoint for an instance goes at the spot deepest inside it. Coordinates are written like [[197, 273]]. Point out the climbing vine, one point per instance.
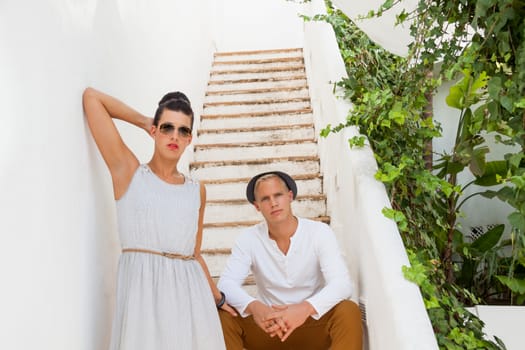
[[480, 46]]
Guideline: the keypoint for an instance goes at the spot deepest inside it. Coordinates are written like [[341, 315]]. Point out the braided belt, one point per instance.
[[164, 254]]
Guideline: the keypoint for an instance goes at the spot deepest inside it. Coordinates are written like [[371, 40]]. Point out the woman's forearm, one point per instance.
[[213, 287], [118, 109]]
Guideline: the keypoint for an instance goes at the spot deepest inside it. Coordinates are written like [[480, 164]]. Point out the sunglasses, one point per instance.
[[168, 129]]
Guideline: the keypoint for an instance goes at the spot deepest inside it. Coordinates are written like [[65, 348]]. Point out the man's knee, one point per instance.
[[346, 314], [347, 309], [345, 326]]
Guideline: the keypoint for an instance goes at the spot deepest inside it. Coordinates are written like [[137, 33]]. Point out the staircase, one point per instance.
[[257, 117]]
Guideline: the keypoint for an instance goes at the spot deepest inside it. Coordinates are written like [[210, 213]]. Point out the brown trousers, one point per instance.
[[338, 329]]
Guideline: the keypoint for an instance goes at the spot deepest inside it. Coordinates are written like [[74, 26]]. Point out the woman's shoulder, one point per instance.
[[191, 180]]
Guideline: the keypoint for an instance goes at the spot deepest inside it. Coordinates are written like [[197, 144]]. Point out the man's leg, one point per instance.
[[243, 333], [338, 329], [232, 331], [344, 326]]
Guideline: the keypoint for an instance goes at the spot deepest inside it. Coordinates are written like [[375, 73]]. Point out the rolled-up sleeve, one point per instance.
[[335, 273], [237, 269]]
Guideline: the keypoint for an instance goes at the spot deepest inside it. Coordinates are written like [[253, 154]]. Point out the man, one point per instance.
[[302, 280]]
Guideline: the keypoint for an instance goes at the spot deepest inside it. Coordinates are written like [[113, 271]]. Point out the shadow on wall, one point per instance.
[[58, 223]]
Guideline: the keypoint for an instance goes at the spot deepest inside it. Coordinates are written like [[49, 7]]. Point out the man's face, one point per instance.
[[274, 200]]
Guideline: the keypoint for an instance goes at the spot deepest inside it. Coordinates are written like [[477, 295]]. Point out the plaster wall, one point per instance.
[[258, 25], [59, 248]]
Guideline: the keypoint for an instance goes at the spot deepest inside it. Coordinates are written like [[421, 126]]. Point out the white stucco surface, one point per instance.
[[383, 30], [59, 242]]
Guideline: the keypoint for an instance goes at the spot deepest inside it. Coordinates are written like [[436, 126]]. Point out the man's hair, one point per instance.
[[267, 177]]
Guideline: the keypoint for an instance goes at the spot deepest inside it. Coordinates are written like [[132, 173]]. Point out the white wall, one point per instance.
[[59, 244], [258, 25]]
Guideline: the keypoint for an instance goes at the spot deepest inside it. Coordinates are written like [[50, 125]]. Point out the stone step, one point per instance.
[[252, 150], [261, 100], [292, 80], [255, 91], [247, 168], [241, 210], [256, 61], [256, 134], [257, 114], [256, 65], [257, 106], [227, 70], [256, 54], [257, 95], [307, 184], [269, 74], [241, 121]]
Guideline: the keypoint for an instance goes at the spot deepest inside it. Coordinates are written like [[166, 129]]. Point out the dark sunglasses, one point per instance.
[[169, 129]]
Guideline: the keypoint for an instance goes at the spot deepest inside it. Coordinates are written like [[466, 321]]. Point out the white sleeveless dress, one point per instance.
[[162, 303]]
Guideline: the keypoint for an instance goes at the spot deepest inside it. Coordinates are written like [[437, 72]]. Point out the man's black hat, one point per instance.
[[290, 183]]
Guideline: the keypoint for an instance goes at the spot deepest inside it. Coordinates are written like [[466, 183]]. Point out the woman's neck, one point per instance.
[[164, 169]]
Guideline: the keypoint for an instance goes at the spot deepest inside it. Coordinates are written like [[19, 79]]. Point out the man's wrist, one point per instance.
[[221, 301], [309, 309], [250, 308]]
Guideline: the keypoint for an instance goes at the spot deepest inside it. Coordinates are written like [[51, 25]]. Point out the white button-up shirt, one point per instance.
[[312, 270]]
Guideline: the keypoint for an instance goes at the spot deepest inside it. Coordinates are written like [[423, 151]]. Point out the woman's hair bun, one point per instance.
[[175, 95]]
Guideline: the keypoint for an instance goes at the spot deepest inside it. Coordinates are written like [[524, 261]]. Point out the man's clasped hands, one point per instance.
[[280, 320]]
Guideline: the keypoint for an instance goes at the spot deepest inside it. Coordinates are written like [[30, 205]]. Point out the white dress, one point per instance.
[[162, 303]]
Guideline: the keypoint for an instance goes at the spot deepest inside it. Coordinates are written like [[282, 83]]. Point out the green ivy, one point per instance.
[[484, 53]]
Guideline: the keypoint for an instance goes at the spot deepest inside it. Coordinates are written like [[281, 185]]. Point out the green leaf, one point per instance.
[[455, 97], [514, 284], [488, 240], [520, 103], [477, 162], [492, 169], [357, 141], [517, 220], [397, 113], [454, 167], [326, 131]]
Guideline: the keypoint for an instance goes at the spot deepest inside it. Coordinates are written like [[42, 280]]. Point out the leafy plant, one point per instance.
[[484, 50]]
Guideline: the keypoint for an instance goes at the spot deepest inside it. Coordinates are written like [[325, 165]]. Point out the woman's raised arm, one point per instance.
[[100, 108]]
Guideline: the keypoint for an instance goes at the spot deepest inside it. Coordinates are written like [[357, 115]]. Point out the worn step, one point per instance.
[[257, 54], [257, 106], [236, 188], [252, 150], [243, 66], [266, 74], [242, 121], [257, 114], [248, 168], [292, 80], [254, 91], [228, 70], [257, 60], [262, 100], [257, 134], [257, 95]]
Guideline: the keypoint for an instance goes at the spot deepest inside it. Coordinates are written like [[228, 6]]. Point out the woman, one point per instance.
[[165, 295]]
